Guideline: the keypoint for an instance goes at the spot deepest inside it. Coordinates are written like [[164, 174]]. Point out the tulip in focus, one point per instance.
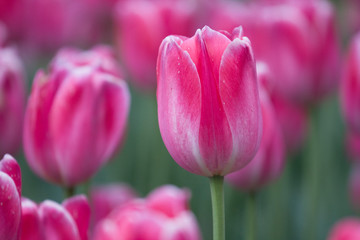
[[12, 100], [163, 215], [52, 221], [10, 198], [75, 118], [350, 92], [346, 229], [269, 161], [140, 28], [208, 101], [106, 198]]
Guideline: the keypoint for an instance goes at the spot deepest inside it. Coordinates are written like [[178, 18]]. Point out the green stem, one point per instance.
[[217, 197], [69, 191], [251, 218]]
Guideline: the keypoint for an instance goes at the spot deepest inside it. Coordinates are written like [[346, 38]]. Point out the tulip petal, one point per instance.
[[240, 99], [179, 105], [10, 208], [9, 166], [79, 209], [30, 226], [37, 140], [57, 222]]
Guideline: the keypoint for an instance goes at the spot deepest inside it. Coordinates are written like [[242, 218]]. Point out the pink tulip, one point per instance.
[[10, 195], [12, 100], [346, 229], [141, 26], [297, 40], [75, 118], [208, 101], [269, 161], [52, 221], [106, 198], [293, 121], [49, 25], [162, 215], [350, 92]]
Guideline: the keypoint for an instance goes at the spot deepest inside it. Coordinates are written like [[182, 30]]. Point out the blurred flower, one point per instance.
[[345, 229], [76, 117], [12, 100], [350, 92], [354, 186], [106, 198], [52, 221], [140, 28], [162, 215], [352, 16], [208, 101], [297, 40], [269, 161], [10, 195], [49, 25]]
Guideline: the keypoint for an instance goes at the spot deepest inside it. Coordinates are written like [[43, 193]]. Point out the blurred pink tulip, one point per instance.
[[49, 25], [350, 92], [162, 215], [269, 161], [208, 101], [106, 198], [293, 121], [52, 221], [75, 118], [10, 198], [297, 40], [12, 100], [354, 186], [346, 229], [140, 28]]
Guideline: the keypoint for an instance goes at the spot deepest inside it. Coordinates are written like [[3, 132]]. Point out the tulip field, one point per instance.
[[179, 120]]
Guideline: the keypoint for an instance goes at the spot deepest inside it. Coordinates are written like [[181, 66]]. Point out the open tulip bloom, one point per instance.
[[208, 106]]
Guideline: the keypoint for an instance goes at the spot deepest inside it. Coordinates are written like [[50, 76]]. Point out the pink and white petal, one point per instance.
[[31, 228], [10, 208], [110, 113], [57, 223], [37, 141], [9, 166], [179, 106], [169, 200], [240, 98], [79, 209]]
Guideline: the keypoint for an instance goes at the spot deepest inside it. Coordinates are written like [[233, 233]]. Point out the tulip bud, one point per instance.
[[140, 28], [10, 196], [75, 118], [269, 161], [104, 199], [52, 221], [345, 229], [162, 215], [350, 92], [208, 101], [12, 100]]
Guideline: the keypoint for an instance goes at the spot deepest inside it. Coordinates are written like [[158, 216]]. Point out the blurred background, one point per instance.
[[312, 192]]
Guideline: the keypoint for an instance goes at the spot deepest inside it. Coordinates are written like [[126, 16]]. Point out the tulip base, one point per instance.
[[218, 211]]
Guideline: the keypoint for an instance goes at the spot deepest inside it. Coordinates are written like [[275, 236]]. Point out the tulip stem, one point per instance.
[[69, 191], [251, 209], [217, 197]]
